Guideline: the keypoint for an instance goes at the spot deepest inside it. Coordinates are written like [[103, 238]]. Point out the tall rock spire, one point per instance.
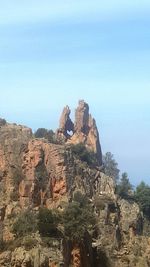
[[84, 129]]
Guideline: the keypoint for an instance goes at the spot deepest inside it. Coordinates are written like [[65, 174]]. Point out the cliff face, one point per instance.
[[35, 173]]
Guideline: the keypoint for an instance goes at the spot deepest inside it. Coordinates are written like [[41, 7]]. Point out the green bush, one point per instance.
[[26, 223], [80, 198], [17, 177], [102, 259], [13, 244], [78, 218], [124, 187], [48, 222], [142, 196], [111, 166], [29, 242], [2, 122], [47, 134], [81, 152]]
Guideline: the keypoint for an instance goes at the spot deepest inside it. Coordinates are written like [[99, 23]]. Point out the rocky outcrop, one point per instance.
[[13, 139], [51, 174], [82, 118], [36, 257], [84, 130], [35, 173], [65, 124], [43, 166]]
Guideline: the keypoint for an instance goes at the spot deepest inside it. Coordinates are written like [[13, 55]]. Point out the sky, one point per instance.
[[53, 53]]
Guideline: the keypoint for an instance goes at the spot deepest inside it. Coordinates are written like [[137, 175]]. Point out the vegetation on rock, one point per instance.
[[78, 218], [142, 196], [48, 222], [25, 224], [82, 153], [47, 134], [111, 166], [2, 122], [124, 187]]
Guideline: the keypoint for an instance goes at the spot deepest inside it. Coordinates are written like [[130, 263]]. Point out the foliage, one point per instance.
[[81, 152], [26, 223], [48, 222], [2, 122], [29, 242], [2, 244], [80, 198], [51, 241], [42, 175], [44, 133], [142, 196], [102, 259], [14, 196], [17, 177], [78, 218], [110, 166], [124, 186]]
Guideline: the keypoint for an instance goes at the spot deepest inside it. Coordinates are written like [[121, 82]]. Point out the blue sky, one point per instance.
[[53, 53]]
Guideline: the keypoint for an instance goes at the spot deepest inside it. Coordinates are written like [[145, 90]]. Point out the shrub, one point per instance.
[[80, 198], [102, 259], [77, 220], [142, 196], [47, 222], [13, 244], [47, 134], [110, 166], [124, 187], [26, 223], [29, 242], [51, 241], [17, 177], [2, 122], [81, 152]]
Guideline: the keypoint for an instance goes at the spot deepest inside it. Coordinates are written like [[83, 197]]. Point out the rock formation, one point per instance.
[[84, 129], [65, 124], [35, 173]]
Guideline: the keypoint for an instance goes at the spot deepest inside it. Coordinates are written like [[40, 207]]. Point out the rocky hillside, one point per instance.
[[35, 174]]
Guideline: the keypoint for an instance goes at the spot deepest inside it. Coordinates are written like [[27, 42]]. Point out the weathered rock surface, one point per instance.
[[66, 125], [34, 173], [44, 172], [13, 139], [84, 130]]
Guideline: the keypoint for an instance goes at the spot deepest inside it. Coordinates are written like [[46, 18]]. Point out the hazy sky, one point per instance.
[[53, 53]]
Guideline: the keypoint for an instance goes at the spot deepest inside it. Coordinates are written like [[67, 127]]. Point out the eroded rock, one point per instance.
[[84, 130]]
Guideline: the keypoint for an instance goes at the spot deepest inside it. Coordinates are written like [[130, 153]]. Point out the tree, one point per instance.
[[25, 224], [82, 153], [78, 219], [142, 196], [44, 133], [110, 166], [124, 187], [47, 222], [81, 199]]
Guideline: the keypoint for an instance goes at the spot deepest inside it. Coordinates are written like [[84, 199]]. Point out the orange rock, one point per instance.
[[76, 257]]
